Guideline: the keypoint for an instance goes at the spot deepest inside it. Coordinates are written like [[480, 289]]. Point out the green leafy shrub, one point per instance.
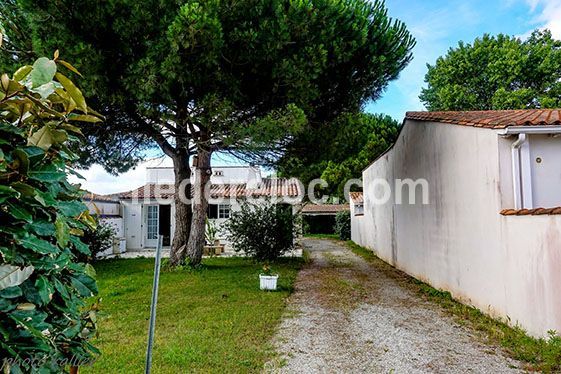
[[211, 232], [98, 239], [343, 225], [263, 231], [43, 320]]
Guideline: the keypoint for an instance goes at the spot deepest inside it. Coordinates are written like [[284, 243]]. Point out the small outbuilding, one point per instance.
[[320, 218], [470, 202]]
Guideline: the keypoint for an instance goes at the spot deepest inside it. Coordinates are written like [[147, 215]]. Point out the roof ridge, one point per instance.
[[494, 119]]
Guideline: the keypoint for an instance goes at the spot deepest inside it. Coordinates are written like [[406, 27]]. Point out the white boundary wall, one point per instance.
[[507, 266]]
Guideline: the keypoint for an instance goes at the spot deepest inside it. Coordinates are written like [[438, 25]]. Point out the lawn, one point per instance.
[[211, 319]]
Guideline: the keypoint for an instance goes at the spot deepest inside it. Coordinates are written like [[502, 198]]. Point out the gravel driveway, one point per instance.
[[351, 316]]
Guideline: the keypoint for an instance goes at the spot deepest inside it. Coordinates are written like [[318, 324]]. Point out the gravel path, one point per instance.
[[351, 316]]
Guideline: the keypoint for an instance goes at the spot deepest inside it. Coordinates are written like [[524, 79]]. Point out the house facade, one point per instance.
[[149, 211], [490, 230]]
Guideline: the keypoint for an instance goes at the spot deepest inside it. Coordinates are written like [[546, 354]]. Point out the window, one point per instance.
[[359, 209], [223, 211], [219, 173], [152, 224], [218, 211]]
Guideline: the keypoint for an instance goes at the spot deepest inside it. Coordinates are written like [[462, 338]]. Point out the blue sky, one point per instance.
[[437, 25]]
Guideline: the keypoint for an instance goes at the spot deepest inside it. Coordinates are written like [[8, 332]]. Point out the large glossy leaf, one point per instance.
[[19, 212], [47, 173], [62, 232], [4, 82], [38, 245], [22, 73], [11, 276], [52, 264], [46, 198], [80, 246], [46, 136], [84, 118], [42, 228], [5, 306], [21, 161], [74, 92], [85, 285], [24, 189], [87, 219], [62, 289], [7, 191], [69, 66], [11, 292], [71, 208], [43, 71], [45, 90], [45, 289]]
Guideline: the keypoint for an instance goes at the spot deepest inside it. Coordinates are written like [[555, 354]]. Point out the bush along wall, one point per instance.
[[44, 322], [343, 225]]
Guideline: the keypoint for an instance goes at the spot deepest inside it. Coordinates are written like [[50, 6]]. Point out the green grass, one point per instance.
[[211, 319], [322, 236], [537, 354]]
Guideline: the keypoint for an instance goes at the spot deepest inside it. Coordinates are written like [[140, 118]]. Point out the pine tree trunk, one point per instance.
[[183, 211], [200, 206]]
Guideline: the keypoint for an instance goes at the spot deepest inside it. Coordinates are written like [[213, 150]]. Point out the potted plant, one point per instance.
[[210, 233], [268, 280], [213, 243]]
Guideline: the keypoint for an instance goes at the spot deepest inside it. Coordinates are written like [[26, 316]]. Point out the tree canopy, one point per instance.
[[239, 76], [496, 72], [340, 151]]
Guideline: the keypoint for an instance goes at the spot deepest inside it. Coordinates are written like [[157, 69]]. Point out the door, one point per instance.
[[152, 226], [546, 171], [133, 224]]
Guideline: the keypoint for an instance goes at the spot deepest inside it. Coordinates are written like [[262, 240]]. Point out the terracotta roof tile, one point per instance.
[[269, 187], [495, 119], [356, 197], [90, 196], [531, 212]]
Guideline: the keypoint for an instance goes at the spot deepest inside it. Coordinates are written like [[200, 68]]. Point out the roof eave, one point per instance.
[[536, 130]]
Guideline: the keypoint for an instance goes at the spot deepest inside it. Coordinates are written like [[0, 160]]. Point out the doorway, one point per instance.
[[165, 224], [158, 222]]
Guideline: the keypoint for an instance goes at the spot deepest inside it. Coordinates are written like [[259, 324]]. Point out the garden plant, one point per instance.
[[44, 322]]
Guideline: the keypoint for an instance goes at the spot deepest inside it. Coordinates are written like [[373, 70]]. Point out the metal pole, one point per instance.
[[152, 326]]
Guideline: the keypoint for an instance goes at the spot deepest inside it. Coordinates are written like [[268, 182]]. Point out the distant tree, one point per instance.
[[496, 72], [340, 151], [240, 76]]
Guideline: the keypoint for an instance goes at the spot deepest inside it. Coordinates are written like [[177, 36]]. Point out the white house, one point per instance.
[[490, 229], [149, 210]]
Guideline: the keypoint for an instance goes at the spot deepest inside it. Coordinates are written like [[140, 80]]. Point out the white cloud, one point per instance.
[[548, 15], [99, 181]]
